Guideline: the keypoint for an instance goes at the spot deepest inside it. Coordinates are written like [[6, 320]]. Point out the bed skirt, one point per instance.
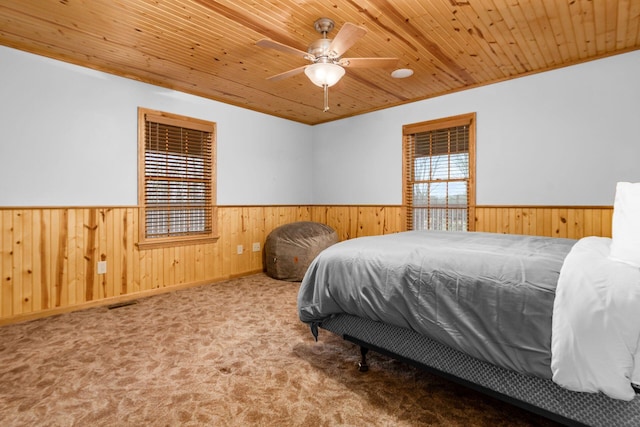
[[538, 395]]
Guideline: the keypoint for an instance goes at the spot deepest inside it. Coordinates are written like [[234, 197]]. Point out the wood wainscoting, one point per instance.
[[49, 256], [571, 222]]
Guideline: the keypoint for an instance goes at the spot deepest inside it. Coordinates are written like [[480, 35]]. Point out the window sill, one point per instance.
[[166, 243]]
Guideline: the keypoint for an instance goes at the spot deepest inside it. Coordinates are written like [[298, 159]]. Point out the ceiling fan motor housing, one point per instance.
[[320, 50]]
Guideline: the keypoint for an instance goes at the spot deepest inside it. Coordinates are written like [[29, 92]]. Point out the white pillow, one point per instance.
[[625, 229]]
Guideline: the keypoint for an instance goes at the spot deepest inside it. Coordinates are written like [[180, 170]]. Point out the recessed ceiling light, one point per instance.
[[401, 73]]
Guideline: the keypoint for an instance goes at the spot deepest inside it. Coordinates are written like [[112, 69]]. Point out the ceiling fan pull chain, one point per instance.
[[326, 98]]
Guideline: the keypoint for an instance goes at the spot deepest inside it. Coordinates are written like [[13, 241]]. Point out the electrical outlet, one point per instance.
[[256, 247], [240, 249], [102, 267]]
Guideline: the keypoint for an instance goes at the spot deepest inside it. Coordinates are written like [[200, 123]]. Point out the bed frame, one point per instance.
[[541, 396]]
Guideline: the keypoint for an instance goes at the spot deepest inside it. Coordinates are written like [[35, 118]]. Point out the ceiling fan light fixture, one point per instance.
[[324, 73]]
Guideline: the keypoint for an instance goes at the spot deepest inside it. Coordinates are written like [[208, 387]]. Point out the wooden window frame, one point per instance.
[[146, 115], [468, 119]]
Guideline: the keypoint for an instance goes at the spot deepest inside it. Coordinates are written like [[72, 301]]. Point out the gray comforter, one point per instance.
[[488, 295]]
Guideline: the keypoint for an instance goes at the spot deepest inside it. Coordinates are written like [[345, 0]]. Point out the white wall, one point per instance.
[[69, 138], [563, 137]]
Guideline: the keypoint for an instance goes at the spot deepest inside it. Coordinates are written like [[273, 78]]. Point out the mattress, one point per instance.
[[487, 295]]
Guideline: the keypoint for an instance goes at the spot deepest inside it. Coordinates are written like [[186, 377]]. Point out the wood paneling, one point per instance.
[[48, 256], [208, 47], [359, 221], [553, 221]]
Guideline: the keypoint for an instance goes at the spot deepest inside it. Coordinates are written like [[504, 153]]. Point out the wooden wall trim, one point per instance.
[[48, 256], [311, 205], [548, 206]]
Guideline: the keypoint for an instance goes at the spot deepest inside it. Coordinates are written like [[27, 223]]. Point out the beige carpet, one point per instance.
[[228, 354]]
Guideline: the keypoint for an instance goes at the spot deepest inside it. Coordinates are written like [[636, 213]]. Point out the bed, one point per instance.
[[482, 309]]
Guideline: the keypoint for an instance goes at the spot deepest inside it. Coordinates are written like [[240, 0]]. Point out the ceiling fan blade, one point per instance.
[[268, 43], [346, 37], [287, 74], [369, 62]]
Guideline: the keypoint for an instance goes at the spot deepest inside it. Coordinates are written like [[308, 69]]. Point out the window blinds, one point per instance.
[[177, 178]]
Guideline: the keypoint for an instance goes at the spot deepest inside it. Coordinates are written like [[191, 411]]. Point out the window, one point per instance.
[[439, 174], [177, 168]]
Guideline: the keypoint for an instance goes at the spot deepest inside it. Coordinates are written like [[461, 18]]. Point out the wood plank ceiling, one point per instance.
[[208, 47]]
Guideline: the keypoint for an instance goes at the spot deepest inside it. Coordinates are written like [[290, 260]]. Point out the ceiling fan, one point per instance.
[[327, 64]]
